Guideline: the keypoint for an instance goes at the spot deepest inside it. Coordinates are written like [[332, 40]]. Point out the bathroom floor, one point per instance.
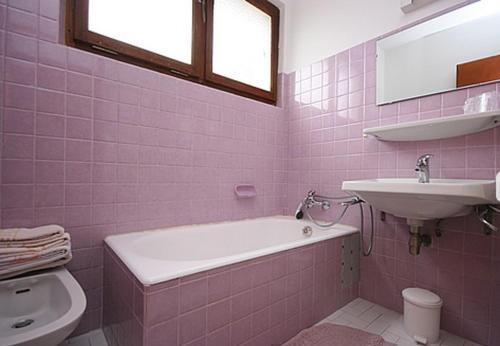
[[376, 319], [359, 313], [93, 338]]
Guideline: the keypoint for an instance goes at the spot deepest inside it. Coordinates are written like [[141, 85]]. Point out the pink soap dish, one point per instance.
[[245, 191]]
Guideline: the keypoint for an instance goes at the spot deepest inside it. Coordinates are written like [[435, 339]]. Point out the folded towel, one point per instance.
[[8, 259], [30, 234], [27, 249], [39, 266], [328, 334], [20, 258], [25, 246], [50, 258], [30, 243]]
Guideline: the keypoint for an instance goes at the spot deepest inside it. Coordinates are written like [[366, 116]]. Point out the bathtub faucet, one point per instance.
[[311, 200], [325, 202]]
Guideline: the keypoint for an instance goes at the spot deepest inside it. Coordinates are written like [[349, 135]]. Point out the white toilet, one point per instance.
[[422, 313]]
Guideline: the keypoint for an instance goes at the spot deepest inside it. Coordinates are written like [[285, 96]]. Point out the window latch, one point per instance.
[[105, 50], [203, 4]]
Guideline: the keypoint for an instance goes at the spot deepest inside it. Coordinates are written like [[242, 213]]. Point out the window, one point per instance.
[[228, 44]]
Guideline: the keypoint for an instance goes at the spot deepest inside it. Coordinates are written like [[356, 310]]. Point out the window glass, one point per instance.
[[160, 26], [230, 45], [242, 43]]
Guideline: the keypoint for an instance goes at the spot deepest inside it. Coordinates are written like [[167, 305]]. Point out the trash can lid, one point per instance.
[[422, 297]]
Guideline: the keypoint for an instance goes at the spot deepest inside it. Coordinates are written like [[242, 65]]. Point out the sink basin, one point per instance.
[[41, 309], [406, 198]]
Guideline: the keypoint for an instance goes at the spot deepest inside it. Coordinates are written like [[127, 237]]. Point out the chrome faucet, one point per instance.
[[422, 168], [312, 200]]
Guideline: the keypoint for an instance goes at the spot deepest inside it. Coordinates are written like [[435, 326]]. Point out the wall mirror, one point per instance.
[[458, 49]]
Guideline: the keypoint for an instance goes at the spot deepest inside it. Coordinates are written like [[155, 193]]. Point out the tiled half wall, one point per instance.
[[260, 302]]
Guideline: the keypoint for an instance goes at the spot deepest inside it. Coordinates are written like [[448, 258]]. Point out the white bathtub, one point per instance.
[[161, 255]]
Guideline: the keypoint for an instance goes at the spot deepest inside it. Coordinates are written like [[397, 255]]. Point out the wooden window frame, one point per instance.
[[199, 71]]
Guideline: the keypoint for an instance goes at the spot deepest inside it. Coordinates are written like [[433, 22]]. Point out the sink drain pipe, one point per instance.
[[484, 213]]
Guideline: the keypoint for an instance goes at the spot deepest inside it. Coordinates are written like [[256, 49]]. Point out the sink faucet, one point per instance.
[[422, 168]]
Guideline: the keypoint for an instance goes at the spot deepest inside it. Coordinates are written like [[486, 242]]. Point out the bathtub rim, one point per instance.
[[137, 263]]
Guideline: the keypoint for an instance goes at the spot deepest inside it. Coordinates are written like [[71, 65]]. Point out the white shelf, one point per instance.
[[438, 128]]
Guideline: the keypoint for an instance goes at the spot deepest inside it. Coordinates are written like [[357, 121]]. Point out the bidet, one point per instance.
[[41, 309]]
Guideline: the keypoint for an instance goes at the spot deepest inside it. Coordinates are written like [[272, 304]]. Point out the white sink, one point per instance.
[[406, 198], [41, 309]]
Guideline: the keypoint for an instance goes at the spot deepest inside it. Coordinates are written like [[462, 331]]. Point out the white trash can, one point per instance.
[[422, 314]]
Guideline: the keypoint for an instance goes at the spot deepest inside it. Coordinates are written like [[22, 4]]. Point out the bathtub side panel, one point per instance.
[[123, 307], [264, 301]]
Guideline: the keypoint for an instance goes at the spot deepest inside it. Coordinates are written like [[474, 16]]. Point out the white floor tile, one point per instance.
[[390, 316], [405, 342], [357, 307], [371, 315], [376, 319], [93, 338], [378, 326], [389, 337], [336, 314], [97, 338], [82, 340], [341, 321], [355, 321], [396, 328]]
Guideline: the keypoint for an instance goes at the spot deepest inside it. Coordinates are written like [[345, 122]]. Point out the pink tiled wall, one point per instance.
[[260, 302], [104, 147], [328, 105]]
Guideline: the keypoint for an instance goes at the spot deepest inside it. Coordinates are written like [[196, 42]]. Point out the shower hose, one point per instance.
[[346, 203]]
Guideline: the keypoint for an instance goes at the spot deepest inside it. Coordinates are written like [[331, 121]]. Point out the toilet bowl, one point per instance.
[[41, 309], [422, 314]]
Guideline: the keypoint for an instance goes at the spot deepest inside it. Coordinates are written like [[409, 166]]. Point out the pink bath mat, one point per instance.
[[328, 334]]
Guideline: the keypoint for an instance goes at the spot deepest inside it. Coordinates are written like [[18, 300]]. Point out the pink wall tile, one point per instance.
[[21, 97], [26, 5], [80, 84], [17, 121], [50, 101], [51, 78], [162, 305], [163, 334], [193, 295], [78, 106], [19, 71], [21, 47]]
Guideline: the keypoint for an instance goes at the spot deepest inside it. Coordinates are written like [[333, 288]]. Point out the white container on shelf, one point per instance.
[[485, 102], [422, 314]]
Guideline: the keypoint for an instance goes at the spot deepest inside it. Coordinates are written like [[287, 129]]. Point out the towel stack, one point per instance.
[[26, 249]]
